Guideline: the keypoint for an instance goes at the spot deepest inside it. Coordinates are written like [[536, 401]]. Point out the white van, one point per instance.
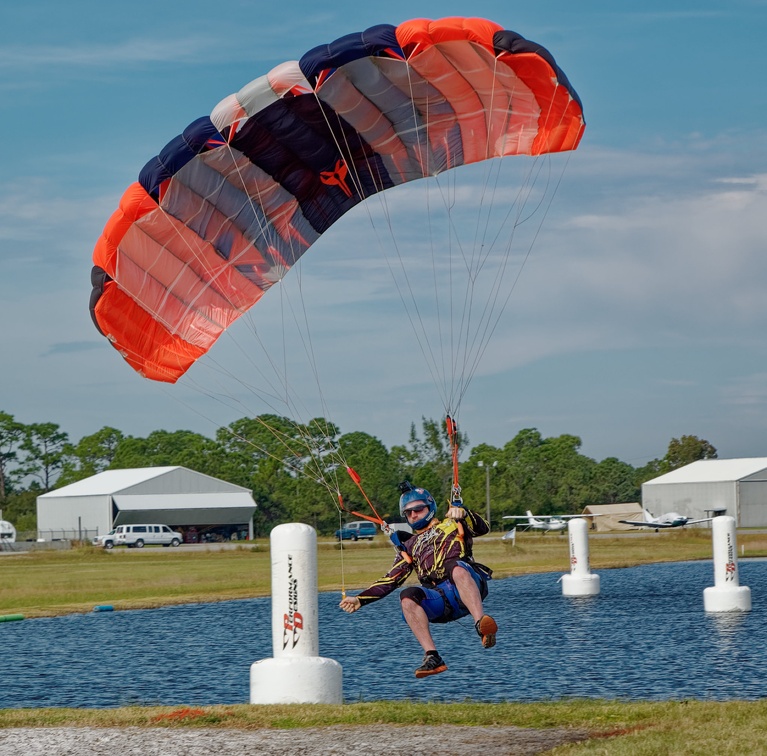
[[105, 541], [138, 536]]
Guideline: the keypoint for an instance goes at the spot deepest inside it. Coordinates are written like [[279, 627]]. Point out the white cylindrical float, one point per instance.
[[295, 674], [727, 594], [580, 581]]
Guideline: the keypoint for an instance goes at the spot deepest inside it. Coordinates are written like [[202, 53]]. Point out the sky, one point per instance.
[[640, 315]]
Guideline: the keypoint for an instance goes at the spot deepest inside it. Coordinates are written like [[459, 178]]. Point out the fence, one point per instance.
[[77, 534]]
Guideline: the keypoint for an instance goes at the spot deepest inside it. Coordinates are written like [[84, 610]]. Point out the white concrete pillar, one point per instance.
[[295, 674], [727, 594], [580, 581]]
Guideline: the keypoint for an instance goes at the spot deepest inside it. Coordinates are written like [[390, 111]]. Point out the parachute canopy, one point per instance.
[[228, 206]]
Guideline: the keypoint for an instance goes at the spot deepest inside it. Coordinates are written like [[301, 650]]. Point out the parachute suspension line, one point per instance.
[[381, 195], [421, 335], [493, 311], [527, 187], [341, 544], [411, 307], [468, 335], [445, 341], [434, 354], [313, 468], [462, 335], [478, 338], [474, 335], [527, 255], [425, 348], [267, 228], [282, 438]]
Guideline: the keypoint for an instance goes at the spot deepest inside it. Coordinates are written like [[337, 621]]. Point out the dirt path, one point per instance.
[[373, 740]]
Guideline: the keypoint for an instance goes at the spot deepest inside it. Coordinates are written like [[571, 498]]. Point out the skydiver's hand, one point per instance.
[[350, 604], [455, 512]]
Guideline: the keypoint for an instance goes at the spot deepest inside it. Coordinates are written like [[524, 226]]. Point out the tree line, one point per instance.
[[295, 475]]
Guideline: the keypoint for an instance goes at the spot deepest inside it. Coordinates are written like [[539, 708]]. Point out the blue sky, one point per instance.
[[640, 316]]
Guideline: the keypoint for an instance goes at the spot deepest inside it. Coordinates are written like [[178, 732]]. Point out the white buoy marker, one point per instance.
[[296, 673], [727, 594], [580, 581]]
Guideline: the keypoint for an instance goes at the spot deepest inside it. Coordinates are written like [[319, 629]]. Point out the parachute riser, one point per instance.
[[452, 434]]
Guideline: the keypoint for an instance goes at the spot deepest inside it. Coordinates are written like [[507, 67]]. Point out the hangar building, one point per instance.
[[176, 496], [710, 487]]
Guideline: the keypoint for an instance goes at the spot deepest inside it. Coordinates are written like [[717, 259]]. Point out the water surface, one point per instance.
[[646, 636]]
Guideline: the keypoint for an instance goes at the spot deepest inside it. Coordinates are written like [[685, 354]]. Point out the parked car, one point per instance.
[[138, 536], [106, 541], [359, 529]]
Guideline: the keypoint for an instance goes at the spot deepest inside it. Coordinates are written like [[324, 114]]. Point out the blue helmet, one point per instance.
[[414, 498]]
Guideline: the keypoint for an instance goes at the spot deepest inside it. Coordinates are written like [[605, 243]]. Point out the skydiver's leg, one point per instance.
[[465, 581], [468, 591], [418, 622], [418, 605]]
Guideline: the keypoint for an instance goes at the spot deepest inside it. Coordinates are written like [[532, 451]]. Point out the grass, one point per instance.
[[53, 583], [616, 728]]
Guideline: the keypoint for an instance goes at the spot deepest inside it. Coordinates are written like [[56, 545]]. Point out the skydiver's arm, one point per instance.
[[392, 580], [475, 523]]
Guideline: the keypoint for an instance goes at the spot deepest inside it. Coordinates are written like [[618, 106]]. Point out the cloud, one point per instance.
[[73, 347], [130, 51]]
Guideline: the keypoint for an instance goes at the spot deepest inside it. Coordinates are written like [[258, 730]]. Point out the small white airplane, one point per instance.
[[668, 520], [545, 523]]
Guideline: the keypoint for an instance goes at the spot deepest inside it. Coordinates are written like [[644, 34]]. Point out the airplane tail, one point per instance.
[[530, 516], [647, 515]]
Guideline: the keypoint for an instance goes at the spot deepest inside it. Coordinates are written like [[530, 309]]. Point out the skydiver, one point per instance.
[[452, 583]]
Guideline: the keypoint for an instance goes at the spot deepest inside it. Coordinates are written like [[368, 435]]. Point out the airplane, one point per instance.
[[668, 520], [545, 523]]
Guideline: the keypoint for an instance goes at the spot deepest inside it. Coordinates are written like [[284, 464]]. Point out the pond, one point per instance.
[[646, 636]]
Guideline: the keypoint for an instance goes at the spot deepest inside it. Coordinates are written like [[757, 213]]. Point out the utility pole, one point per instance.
[[487, 485]]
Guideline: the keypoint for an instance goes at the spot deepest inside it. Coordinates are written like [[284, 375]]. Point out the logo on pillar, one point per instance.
[[292, 622]]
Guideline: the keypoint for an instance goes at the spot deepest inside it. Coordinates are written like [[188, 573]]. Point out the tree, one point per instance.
[[685, 450], [378, 471], [11, 436], [428, 462], [43, 446], [546, 474], [91, 455], [20, 508], [163, 448], [286, 465], [614, 482]]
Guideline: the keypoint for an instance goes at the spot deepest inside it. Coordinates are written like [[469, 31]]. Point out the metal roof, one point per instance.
[[112, 482], [713, 471]]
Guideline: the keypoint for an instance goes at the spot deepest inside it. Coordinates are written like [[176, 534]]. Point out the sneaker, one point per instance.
[[486, 628], [432, 665]]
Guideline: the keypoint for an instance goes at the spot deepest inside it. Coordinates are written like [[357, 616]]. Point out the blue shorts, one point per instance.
[[442, 603]]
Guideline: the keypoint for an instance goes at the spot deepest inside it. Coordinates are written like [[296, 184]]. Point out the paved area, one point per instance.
[[372, 740]]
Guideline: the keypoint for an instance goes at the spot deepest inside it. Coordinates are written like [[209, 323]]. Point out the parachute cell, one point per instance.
[[226, 208]]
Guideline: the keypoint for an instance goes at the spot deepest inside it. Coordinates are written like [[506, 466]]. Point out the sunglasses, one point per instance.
[[416, 510]]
